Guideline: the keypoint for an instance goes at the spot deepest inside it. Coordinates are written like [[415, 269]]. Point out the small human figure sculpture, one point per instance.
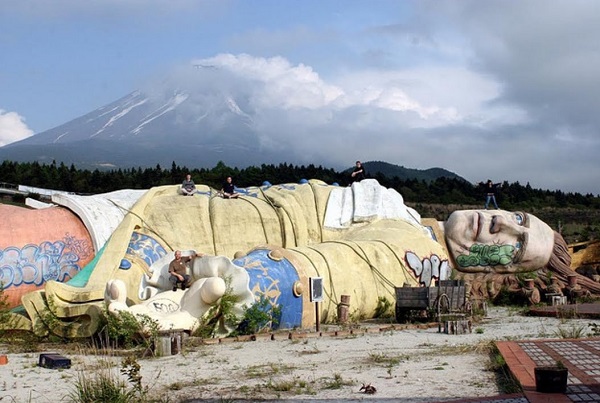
[[228, 189], [188, 187], [490, 193], [358, 173], [178, 270]]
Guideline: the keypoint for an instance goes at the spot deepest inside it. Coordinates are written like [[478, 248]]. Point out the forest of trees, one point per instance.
[[442, 190]]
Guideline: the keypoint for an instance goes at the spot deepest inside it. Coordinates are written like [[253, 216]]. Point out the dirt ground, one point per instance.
[[411, 365]]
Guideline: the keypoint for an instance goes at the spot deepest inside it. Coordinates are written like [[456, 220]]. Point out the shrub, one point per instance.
[[128, 330], [219, 316], [383, 308], [260, 315]]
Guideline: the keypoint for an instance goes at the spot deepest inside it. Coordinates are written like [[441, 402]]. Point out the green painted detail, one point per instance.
[[81, 278], [487, 255]]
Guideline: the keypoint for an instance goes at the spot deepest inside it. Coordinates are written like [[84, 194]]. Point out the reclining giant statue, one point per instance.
[[362, 241]]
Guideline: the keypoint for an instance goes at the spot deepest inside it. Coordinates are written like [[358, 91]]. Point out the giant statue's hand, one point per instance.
[[212, 278]]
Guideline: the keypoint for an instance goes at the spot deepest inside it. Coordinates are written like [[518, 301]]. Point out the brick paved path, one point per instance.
[[580, 356]]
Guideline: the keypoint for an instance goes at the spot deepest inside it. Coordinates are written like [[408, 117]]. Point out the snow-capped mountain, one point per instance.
[[144, 130]]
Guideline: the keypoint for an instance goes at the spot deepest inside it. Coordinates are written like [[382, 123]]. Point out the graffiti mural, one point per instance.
[[429, 268], [38, 264], [488, 255]]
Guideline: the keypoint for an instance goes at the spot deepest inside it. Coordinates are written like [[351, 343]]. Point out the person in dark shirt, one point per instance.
[[490, 193], [358, 173], [228, 189]]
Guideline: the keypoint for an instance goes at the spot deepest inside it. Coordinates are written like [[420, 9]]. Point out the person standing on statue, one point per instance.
[[490, 193]]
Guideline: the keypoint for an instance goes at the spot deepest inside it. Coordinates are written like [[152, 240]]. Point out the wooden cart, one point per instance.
[[445, 302]]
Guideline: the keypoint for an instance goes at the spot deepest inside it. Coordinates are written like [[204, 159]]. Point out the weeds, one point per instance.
[[294, 386], [509, 298], [103, 386], [313, 350], [567, 312], [128, 330], [272, 369], [337, 382], [383, 308], [505, 380], [356, 316], [572, 332], [101, 383], [131, 369], [386, 361], [595, 327], [23, 341]]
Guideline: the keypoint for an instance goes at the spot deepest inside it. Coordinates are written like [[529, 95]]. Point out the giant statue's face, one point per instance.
[[498, 240]]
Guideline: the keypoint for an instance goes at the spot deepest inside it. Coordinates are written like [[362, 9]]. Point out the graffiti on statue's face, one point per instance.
[[37, 264], [486, 255], [427, 269]]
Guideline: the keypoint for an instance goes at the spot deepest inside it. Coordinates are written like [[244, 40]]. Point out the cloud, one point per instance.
[[12, 128], [478, 88], [455, 117], [545, 56]]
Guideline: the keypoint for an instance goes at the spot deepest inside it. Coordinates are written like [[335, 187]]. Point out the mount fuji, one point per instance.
[[145, 129]]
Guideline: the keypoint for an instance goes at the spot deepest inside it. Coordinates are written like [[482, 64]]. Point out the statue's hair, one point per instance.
[[560, 258], [560, 265]]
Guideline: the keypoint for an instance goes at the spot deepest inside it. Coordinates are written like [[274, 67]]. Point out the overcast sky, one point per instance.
[[506, 90]]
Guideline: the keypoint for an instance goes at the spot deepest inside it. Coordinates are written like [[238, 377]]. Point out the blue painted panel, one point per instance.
[[145, 247], [274, 280]]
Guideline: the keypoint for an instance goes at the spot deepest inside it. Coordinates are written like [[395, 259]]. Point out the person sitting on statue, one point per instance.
[[188, 187], [228, 189], [178, 270], [358, 173]]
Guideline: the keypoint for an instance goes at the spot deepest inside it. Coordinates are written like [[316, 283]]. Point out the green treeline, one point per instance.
[[439, 191]]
